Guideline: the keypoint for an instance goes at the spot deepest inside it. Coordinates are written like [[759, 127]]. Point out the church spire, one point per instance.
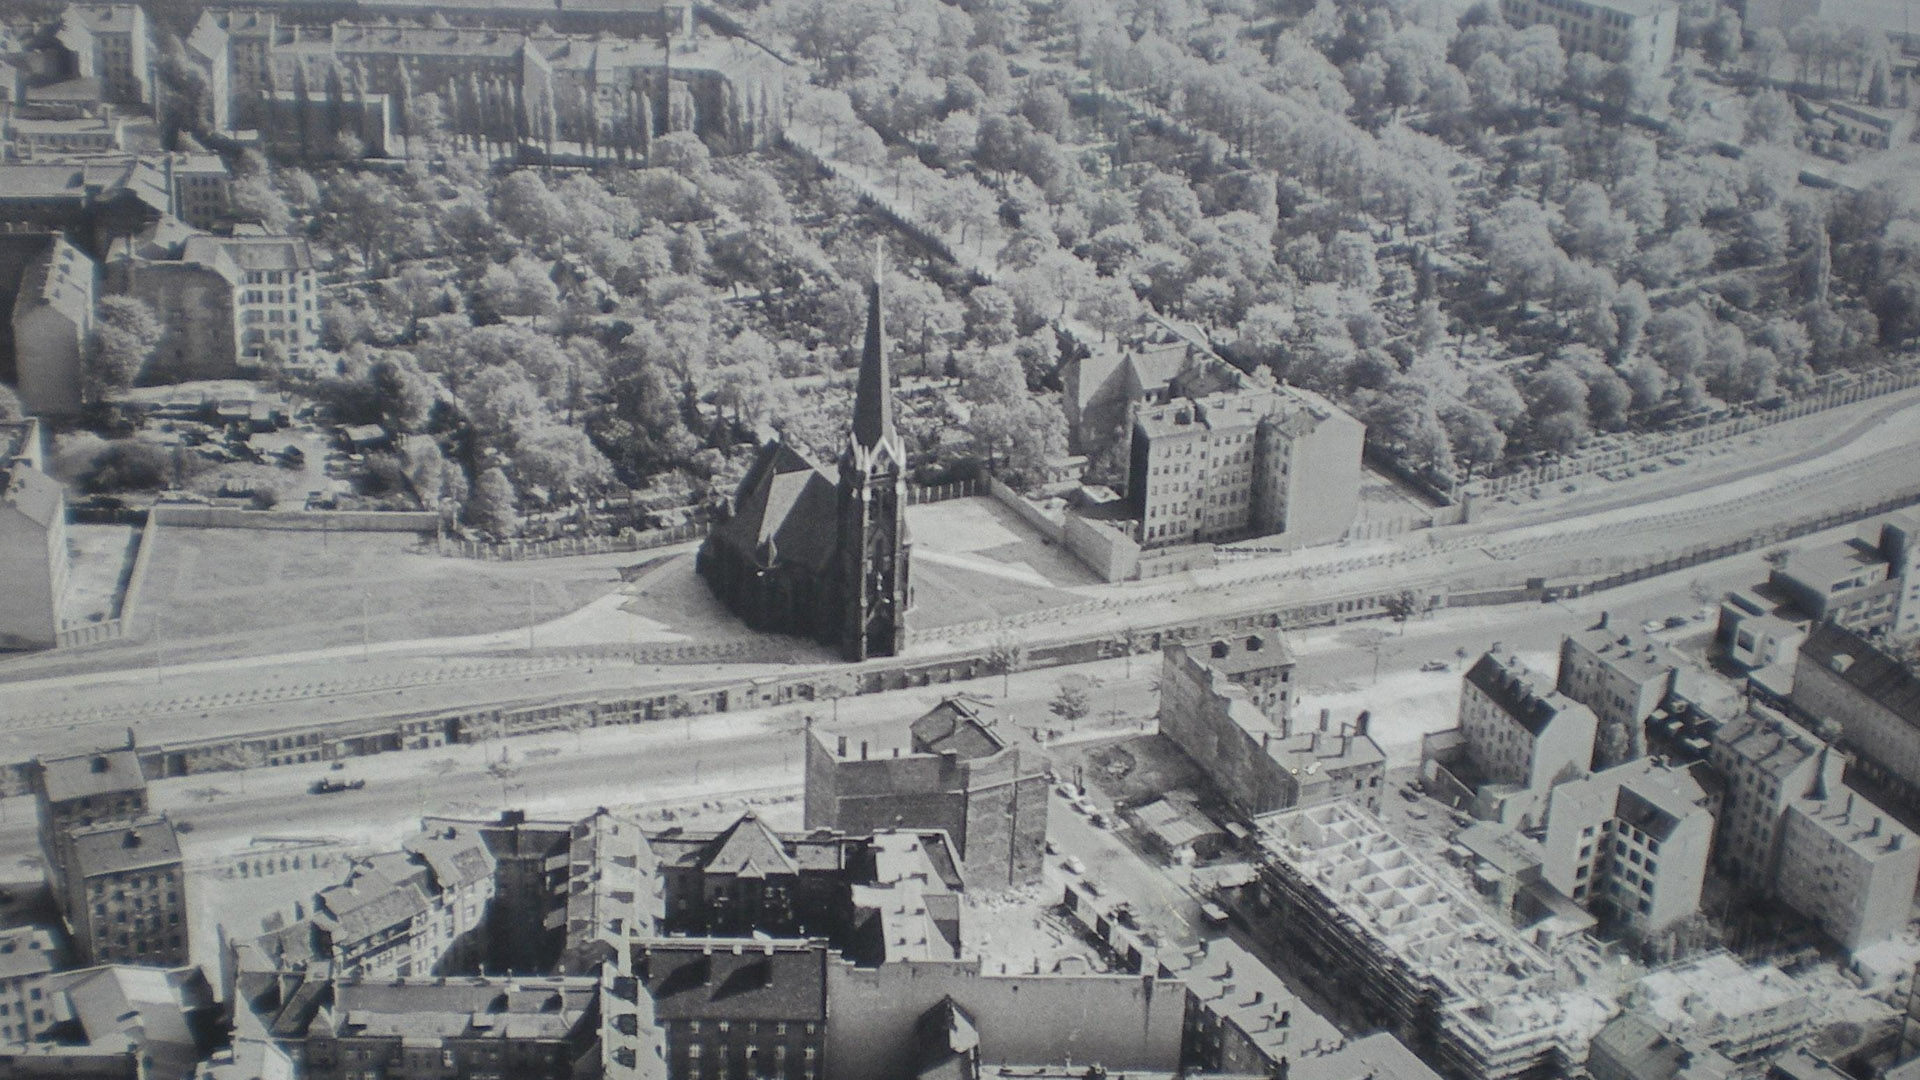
[[873, 403]]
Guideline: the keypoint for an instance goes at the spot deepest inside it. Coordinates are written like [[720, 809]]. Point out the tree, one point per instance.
[[10, 407], [125, 333], [1005, 655], [1070, 702], [491, 506], [1402, 606]]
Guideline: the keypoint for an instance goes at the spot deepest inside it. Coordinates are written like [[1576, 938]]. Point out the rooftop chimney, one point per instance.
[[842, 751], [1360, 722], [1324, 714]]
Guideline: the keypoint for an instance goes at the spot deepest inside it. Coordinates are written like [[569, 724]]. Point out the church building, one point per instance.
[[819, 553]]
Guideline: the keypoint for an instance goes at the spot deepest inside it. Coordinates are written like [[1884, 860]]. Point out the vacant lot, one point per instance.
[[228, 592]]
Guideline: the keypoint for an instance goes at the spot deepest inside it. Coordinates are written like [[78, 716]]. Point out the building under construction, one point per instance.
[[1412, 950]]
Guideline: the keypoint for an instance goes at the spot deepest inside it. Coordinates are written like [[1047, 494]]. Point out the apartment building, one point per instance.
[[33, 137], [1257, 764], [1638, 33], [1631, 843], [33, 555], [732, 1007], [1630, 1048], [52, 319], [277, 306], [28, 957], [111, 43], [1242, 1018], [1849, 867], [1521, 737], [1245, 462], [1623, 678], [1768, 763], [1261, 664], [613, 891], [418, 911], [528, 1028], [1370, 923], [125, 893], [950, 770], [1872, 696], [83, 790]]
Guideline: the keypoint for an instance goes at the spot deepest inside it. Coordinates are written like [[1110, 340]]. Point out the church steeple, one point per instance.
[[873, 400]]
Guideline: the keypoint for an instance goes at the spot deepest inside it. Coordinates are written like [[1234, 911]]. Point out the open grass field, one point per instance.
[[233, 592]]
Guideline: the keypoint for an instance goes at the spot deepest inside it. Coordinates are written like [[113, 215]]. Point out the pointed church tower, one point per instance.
[[872, 547]]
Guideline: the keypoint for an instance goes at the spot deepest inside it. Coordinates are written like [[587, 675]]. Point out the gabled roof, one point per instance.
[[1863, 666], [748, 848], [955, 725], [1529, 700], [734, 979], [786, 510], [125, 845]]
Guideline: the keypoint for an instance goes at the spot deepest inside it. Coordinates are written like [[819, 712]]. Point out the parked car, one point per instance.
[[1434, 665], [1675, 621], [1072, 865], [326, 785], [1652, 625]]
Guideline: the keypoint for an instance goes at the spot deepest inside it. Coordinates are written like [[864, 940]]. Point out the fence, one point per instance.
[[1646, 448], [119, 623], [227, 517], [562, 547]]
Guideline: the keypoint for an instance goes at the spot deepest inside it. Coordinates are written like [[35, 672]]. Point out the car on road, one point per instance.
[[1072, 865], [1435, 665], [1097, 819], [1652, 625], [326, 785], [1213, 913], [1676, 621]]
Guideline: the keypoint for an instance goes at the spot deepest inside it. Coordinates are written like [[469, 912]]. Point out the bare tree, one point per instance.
[[1006, 655]]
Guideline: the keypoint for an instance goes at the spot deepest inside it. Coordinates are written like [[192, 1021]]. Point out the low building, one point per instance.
[[1755, 631], [1638, 33], [1522, 737], [52, 320], [1631, 843], [125, 892], [1717, 1002], [1854, 582], [1630, 1048], [33, 138], [1176, 830], [1256, 764], [165, 1019], [949, 770], [1623, 679]]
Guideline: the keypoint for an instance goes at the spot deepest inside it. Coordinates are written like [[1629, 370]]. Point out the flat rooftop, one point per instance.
[[1237, 987]]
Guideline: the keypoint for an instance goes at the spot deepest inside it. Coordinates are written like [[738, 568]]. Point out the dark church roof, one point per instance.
[[786, 510]]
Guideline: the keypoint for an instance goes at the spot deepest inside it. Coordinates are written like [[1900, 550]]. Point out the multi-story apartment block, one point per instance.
[[28, 955], [1843, 679], [202, 188], [1253, 461], [125, 892], [1718, 1002], [84, 789], [734, 1008], [1791, 826], [98, 203], [404, 913], [1622, 678], [277, 307], [527, 1028], [1371, 923], [1638, 33], [1767, 762], [110, 42], [614, 890], [1256, 764], [1521, 738], [948, 770], [52, 318], [1630, 1048], [1631, 843], [1849, 867], [749, 878], [34, 561], [1242, 1018], [1261, 664]]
